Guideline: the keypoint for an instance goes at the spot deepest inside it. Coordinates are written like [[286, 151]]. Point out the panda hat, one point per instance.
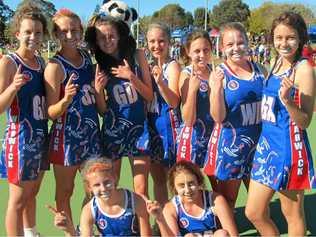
[[119, 10]]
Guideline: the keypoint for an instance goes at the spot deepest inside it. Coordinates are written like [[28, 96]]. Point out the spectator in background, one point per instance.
[[309, 53], [307, 50], [261, 49], [175, 51], [313, 61]]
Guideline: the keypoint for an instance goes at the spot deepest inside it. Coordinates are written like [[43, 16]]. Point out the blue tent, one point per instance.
[[311, 30], [177, 33], [312, 33]]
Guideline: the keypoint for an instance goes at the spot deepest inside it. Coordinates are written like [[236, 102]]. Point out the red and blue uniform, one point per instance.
[[283, 159], [123, 224], [205, 223], [75, 135], [124, 130], [25, 140], [233, 142], [192, 140], [163, 122]]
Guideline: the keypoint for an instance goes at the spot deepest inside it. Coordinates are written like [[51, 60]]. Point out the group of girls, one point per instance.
[[240, 123]]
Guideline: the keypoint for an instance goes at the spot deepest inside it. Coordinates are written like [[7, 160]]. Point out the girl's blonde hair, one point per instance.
[[95, 165], [232, 26], [64, 12], [164, 28]]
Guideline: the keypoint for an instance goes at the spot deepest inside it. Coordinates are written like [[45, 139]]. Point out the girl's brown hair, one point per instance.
[[295, 21], [126, 42], [28, 12], [191, 37], [181, 167]]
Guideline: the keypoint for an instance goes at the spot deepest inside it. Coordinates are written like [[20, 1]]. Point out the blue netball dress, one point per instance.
[[283, 159], [75, 136], [163, 122], [192, 141], [124, 131], [25, 140], [233, 142], [123, 224], [196, 224]]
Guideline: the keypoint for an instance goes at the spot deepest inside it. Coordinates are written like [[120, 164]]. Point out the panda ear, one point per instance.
[[134, 14], [106, 1], [127, 15]]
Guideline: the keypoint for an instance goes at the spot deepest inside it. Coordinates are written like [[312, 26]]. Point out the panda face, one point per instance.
[[107, 39], [119, 10]]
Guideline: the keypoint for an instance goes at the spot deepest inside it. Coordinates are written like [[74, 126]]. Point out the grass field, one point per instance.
[[46, 196]]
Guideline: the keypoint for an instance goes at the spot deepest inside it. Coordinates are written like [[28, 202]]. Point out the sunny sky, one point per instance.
[[84, 8]]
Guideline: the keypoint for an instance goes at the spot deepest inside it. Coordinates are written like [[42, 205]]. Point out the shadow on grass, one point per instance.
[[247, 229]]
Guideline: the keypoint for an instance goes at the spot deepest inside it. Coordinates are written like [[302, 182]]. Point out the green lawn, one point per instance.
[[46, 196]]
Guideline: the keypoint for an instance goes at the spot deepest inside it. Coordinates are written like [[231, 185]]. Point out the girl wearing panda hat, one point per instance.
[[128, 87]]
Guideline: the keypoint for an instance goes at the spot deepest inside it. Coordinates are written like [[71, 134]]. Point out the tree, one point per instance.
[[46, 7], [228, 11], [188, 18], [261, 18], [5, 12], [301, 9], [144, 22], [172, 14], [5, 15], [199, 17], [96, 10]]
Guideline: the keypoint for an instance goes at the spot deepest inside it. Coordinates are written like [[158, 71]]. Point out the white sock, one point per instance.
[[30, 232]]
